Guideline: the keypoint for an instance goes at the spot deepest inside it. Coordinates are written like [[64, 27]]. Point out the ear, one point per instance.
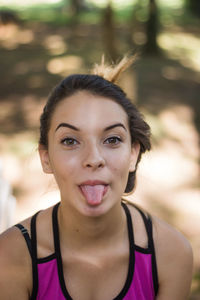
[[135, 150], [44, 158]]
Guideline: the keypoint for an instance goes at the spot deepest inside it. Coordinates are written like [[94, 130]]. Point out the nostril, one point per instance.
[[96, 165]]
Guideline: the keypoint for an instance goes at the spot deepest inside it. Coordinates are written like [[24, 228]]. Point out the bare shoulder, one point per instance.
[[174, 261], [12, 244], [15, 262], [169, 242], [174, 257], [15, 259]]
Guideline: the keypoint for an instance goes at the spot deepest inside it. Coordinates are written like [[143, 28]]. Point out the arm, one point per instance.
[[174, 261], [15, 267]]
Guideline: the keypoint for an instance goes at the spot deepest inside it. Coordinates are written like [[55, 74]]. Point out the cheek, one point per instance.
[[63, 164], [120, 166], [120, 177]]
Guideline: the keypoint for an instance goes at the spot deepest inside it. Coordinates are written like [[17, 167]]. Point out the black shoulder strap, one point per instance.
[[26, 236], [55, 228], [148, 225], [34, 256], [129, 223], [32, 247], [131, 252], [151, 245], [34, 236], [149, 229]]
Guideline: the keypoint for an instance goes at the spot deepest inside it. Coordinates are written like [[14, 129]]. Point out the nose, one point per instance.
[[93, 158]]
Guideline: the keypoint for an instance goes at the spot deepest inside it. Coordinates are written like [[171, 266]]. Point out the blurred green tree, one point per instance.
[[194, 6]]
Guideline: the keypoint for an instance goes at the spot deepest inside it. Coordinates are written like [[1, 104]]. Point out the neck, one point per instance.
[[76, 229]]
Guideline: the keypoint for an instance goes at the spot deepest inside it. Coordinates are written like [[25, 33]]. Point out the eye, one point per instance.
[[113, 140], [69, 142]]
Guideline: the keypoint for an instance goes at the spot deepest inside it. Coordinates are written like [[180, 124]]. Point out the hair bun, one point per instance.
[[113, 71]]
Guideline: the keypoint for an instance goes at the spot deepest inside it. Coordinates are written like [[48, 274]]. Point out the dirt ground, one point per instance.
[[34, 57]]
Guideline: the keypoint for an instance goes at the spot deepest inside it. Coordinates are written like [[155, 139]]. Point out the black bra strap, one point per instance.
[[26, 236]]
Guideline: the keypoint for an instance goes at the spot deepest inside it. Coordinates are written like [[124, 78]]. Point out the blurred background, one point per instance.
[[41, 41]]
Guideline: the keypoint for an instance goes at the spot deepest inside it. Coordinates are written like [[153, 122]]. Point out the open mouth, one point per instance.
[[94, 193]]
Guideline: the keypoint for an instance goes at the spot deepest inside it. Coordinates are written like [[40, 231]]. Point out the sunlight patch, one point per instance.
[[27, 3], [182, 46], [12, 37], [55, 44], [63, 65]]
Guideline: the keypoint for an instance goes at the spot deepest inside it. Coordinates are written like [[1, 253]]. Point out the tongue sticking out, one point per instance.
[[93, 193]]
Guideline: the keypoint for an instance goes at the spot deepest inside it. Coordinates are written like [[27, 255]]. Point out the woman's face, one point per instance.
[[89, 152]]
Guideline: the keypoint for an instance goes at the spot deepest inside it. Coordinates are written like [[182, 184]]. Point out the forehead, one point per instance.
[[84, 108]]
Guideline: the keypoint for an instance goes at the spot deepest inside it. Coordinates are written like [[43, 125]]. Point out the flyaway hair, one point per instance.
[[112, 72]]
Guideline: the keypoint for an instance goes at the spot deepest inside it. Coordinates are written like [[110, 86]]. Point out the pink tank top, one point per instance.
[[48, 279]]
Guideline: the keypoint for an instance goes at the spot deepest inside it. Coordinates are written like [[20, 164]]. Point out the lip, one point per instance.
[[94, 182]]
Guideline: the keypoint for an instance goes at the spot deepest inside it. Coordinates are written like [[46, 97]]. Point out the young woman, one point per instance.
[[93, 245]]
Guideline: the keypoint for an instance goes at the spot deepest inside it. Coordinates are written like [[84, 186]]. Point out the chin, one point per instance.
[[97, 210], [93, 211]]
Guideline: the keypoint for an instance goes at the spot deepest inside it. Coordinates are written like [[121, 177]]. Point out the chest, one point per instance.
[[121, 271], [95, 277], [94, 280]]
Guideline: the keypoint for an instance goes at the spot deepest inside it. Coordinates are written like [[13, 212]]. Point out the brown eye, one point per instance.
[[114, 140], [69, 142]]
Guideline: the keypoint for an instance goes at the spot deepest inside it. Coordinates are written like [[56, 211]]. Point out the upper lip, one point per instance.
[[94, 182]]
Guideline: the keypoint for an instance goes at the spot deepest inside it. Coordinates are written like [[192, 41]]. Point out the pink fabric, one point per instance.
[[141, 287], [48, 282]]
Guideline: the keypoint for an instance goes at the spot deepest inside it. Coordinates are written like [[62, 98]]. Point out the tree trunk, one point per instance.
[[151, 46], [194, 7], [109, 32], [76, 6]]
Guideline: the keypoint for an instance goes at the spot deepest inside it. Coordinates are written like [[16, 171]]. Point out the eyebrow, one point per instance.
[[67, 125], [77, 129], [115, 125]]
